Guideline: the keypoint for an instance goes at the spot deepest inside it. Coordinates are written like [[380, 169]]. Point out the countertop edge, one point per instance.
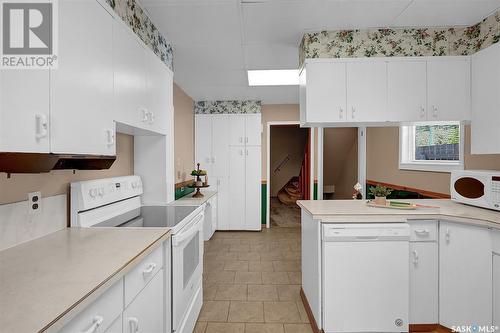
[[58, 323]]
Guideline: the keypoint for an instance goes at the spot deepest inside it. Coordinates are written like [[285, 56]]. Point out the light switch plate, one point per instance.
[[34, 202]]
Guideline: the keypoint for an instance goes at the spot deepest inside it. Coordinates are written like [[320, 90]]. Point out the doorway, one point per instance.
[[289, 165]]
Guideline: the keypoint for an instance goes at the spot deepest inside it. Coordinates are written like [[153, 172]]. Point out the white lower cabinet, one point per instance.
[[145, 313], [465, 275], [116, 326], [222, 203], [424, 273]]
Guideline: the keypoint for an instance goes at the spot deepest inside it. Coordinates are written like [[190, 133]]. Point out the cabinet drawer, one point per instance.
[[137, 279], [423, 230], [100, 314], [496, 240]]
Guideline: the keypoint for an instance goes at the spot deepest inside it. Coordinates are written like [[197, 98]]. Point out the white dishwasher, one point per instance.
[[365, 277]]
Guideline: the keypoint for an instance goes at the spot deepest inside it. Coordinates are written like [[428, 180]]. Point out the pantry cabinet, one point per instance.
[[81, 88], [24, 111], [223, 202], [485, 136], [465, 275], [237, 187]]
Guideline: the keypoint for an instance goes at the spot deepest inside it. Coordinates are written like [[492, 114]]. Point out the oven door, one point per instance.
[[187, 267]]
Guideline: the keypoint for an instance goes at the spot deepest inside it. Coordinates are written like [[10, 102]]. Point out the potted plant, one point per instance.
[[380, 193]]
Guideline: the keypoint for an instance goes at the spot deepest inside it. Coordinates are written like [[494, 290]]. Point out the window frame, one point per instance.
[[407, 148]]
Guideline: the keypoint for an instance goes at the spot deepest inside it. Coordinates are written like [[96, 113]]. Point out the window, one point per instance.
[[431, 147]]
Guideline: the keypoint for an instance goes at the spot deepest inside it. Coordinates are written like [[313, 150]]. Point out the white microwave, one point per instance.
[[476, 187]]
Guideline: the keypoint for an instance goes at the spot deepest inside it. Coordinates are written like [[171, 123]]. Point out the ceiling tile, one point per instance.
[[438, 13], [208, 56], [271, 56], [274, 95]]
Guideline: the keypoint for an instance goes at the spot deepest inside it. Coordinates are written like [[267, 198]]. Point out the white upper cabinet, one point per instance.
[[367, 91], [253, 130], [130, 78], [24, 111], [325, 95], [485, 137], [81, 94], [203, 141], [407, 95], [448, 89], [220, 146], [237, 130], [159, 94]]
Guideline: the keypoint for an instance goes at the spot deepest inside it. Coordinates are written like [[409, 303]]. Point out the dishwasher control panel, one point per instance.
[[366, 232]]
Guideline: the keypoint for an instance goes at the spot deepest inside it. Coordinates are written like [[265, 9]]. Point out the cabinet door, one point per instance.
[[496, 290], [465, 273], [203, 142], [237, 188], [253, 130], [424, 284], [129, 77], [485, 136], [159, 93], [407, 95], [81, 93], [145, 313], [367, 91], [24, 121], [222, 203], [448, 89], [116, 326], [252, 188], [237, 130], [325, 92], [220, 145]]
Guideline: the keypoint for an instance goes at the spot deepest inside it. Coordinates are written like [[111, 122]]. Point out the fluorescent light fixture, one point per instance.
[[282, 77]]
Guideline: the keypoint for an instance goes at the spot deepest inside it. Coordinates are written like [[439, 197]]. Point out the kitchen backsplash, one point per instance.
[[17, 225], [131, 13], [230, 107], [401, 42]]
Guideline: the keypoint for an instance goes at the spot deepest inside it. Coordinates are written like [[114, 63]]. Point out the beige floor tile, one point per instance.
[[281, 312], [291, 255], [236, 265], [239, 248], [214, 311], [221, 277], [259, 248], [295, 277], [213, 266], [286, 266], [289, 292], [248, 277], [231, 292], [302, 311], [262, 292], [225, 328], [227, 256], [264, 328], [260, 266], [248, 255], [200, 327], [246, 312], [271, 255], [298, 328], [275, 278], [209, 291]]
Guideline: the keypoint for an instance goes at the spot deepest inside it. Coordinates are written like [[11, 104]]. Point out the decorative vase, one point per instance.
[[382, 201]]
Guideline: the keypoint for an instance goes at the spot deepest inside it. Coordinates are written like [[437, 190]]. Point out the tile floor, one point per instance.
[[252, 283]]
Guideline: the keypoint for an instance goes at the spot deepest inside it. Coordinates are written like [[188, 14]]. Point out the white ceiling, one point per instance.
[[217, 41]]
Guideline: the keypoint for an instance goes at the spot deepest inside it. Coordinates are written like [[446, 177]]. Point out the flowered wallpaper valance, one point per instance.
[[401, 42], [231, 107], [132, 14]]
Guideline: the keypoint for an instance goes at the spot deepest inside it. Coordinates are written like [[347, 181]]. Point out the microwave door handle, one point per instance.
[[178, 239]]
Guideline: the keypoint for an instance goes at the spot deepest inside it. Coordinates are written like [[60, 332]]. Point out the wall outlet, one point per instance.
[[34, 202]]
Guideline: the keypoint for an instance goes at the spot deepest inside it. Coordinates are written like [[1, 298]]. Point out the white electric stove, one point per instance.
[[116, 202]]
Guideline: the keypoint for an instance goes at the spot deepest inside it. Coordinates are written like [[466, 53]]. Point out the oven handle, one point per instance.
[[178, 239]]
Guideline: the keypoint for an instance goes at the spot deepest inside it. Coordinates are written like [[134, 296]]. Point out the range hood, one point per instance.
[[38, 163]]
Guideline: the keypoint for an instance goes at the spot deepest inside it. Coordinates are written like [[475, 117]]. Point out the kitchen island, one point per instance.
[[443, 243], [47, 282]]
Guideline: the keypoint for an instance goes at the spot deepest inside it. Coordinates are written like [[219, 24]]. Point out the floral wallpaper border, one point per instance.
[[131, 13], [401, 42], [227, 107]]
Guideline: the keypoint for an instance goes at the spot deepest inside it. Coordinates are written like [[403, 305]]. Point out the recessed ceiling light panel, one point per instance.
[[282, 77]]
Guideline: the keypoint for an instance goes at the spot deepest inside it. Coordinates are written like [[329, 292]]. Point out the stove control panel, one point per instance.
[[95, 193]]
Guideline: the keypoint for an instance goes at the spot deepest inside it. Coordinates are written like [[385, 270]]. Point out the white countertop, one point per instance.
[[351, 211], [50, 279], [188, 200]]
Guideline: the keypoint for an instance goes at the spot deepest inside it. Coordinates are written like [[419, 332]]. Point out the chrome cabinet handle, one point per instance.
[[151, 117], [134, 324], [246, 139], [246, 152], [422, 112], [41, 128], [415, 257], [434, 111], [96, 322], [422, 232], [145, 115], [241, 139], [447, 235], [150, 268], [341, 113], [353, 113], [110, 135]]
